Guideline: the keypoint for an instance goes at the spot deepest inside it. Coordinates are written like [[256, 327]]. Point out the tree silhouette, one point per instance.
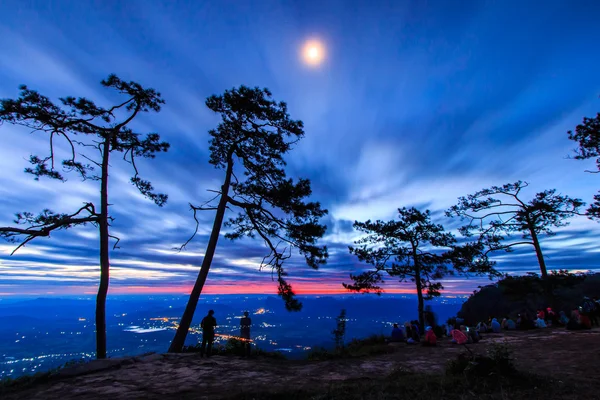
[[497, 213], [91, 133], [340, 330], [249, 144], [587, 136], [416, 249]]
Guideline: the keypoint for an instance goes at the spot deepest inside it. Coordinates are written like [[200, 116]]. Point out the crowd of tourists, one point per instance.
[[586, 316]]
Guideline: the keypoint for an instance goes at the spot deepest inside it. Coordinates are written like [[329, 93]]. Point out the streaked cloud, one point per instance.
[[415, 105]]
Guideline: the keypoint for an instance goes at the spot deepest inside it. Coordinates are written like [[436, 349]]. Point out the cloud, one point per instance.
[[415, 106]]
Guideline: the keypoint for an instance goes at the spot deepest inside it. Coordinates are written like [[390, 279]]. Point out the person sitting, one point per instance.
[[458, 337], [585, 321], [430, 338], [524, 322], [407, 329], [466, 331], [541, 314], [414, 336], [551, 317], [495, 326], [588, 309], [448, 328], [482, 327], [397, 334], [574, 323], [510, 324], [472, 335], [416, 327], [563, 319], [540, 323]]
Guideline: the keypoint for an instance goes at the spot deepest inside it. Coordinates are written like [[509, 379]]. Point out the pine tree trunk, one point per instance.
[[419, 288], [190, 309], [104, 255], [538, 249], [420, 298]]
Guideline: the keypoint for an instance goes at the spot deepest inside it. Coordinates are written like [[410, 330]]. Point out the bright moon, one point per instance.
[[313, 53]]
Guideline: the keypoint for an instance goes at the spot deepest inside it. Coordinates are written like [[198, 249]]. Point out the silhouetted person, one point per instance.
[[245, 324], [415, 336], [208, 325], [524, 322], [429, 316], [589, 310], [596, 302], [397, 334], [551, 317]]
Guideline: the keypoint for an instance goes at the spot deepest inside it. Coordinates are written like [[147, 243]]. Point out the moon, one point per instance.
[[313, 52]]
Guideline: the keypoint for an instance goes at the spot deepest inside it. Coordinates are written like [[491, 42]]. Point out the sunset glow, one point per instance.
[[231, 287]]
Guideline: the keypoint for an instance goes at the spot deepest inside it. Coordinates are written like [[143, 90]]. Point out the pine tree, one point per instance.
[[249, 145], [83, 125], [415, 249]]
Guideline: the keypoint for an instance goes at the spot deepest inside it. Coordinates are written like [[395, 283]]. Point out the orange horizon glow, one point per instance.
[[223, 289]]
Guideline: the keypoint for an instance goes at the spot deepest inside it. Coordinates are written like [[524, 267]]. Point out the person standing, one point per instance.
[[245, 324], [208, 325]]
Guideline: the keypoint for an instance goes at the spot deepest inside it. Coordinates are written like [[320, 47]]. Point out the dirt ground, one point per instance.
[[553, 352]]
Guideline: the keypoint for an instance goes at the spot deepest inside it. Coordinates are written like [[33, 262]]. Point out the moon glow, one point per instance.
[[313, 53]]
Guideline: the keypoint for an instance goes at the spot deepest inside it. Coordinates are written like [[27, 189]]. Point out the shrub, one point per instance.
[[372, 345], [458, 365], [498, 360], [369, 341], [501, 356], [321, 353]]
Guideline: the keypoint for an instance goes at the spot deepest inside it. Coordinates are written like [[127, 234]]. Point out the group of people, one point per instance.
[[583, 317], [208, 325], [411, 334]]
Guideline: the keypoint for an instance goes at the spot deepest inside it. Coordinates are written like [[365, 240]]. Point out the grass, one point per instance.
[[9, 384], [373, 345], [492, 376]]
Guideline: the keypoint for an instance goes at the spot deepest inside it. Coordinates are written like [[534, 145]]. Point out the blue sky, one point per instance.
[[416, 103]]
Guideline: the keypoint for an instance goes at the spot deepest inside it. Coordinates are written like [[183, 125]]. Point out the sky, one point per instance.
[[414, 104]]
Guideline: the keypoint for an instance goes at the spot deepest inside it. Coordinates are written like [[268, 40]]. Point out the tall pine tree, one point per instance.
[[249, 145], [83, 125]]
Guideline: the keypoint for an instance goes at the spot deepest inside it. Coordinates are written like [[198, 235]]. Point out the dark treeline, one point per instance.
[[249, 145]]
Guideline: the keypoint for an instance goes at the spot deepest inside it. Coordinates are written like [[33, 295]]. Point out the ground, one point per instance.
[[556, 354]]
